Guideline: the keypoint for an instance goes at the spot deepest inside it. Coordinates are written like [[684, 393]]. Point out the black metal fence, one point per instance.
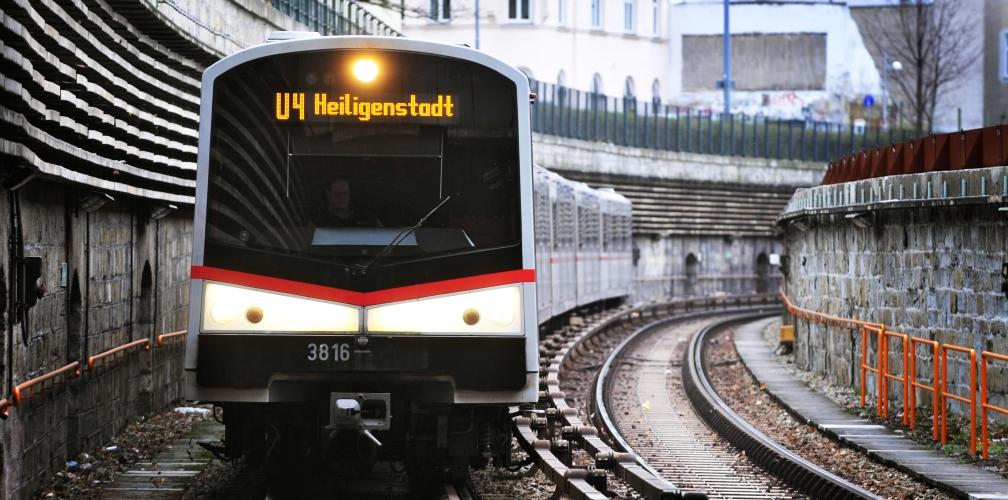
[[335, 17], [590, 116]]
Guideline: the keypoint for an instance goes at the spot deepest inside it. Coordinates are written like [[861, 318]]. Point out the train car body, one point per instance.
[[369, 227], [583, 236], [616, 258]]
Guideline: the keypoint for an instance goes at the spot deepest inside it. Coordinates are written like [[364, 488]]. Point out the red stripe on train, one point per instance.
[[363, 298]]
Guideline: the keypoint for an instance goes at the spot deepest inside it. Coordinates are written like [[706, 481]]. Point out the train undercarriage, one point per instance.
[[435, 442]]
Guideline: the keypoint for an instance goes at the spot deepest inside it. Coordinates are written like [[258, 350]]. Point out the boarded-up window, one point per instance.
[[759, 62]]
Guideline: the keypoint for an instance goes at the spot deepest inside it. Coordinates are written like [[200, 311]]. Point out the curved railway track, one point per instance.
[[551, 431], [677, 425]]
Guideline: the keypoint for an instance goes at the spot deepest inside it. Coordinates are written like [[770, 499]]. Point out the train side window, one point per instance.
[[556, 227], [606, 221], [580, 227]]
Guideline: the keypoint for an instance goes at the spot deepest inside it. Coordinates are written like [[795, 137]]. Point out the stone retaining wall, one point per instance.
[[928, 264], [127, 280]]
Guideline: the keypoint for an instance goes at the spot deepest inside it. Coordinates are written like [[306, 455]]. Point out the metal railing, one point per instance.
[[977, 148], [335, 17], [908, 378], [626, 121], [60, 376]]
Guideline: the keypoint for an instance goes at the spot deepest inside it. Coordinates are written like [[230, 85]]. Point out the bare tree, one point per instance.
[[933, 40]]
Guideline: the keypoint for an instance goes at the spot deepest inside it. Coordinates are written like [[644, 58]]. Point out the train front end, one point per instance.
[[363, 266]]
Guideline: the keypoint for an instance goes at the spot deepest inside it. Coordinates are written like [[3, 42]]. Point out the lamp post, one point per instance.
[[477, 25], [726, 78], [895, 66]]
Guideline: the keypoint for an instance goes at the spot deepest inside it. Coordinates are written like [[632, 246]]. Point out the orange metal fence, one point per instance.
[[884, 373], [984, 405], [935, 390], [945, 348], [62, 375]]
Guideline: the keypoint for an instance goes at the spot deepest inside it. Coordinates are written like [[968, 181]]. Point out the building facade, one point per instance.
[[670, 51]]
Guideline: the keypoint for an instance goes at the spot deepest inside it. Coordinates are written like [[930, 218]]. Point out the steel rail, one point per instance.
[[603, 382], [535, 430], [800, 473]]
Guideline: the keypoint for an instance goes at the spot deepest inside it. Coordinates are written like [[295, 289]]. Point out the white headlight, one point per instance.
[[243, 309], [502, 314], [222, 312], [459, 313]]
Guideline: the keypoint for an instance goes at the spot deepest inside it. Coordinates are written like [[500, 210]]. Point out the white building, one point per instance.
[[790, 58]]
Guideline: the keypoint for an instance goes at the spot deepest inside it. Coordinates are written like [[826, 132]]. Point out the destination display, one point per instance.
[[292, 105]]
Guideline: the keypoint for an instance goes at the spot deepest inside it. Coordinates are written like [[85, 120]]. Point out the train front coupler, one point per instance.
[[360, 412]]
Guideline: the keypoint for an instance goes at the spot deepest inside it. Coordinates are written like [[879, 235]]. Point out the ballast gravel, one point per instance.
[[743, 394]]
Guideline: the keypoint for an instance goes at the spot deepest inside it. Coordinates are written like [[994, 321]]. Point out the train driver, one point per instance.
[[339, 212]]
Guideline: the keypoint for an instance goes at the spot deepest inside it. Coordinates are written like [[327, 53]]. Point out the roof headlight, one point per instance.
[[365, 70]]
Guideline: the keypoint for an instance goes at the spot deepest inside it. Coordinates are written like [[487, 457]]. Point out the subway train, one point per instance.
[[374, 253]]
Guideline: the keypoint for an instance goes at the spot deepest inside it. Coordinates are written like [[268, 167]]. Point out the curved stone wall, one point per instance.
[[921, 253]]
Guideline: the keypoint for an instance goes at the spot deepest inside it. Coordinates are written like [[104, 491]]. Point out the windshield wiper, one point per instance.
[[406, 231]]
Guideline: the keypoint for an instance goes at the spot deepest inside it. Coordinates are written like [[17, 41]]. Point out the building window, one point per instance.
[[560, 12], [519, 10], [596, 13], [628, 20], [654, 17], [440, 10], [1003, 66]]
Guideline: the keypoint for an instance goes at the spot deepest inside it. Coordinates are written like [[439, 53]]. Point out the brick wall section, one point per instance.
[[117, 241], [928, 268]]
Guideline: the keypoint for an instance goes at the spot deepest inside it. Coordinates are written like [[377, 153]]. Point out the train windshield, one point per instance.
[[323, 163]]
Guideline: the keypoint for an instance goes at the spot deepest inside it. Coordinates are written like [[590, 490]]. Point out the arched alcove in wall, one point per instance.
[[692, 269], [762, 273]]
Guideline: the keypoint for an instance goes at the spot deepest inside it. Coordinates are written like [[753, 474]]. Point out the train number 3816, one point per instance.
[[323, 352]]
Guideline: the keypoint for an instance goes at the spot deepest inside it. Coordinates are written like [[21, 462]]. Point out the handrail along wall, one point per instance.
[[62, 375], [909, 373]]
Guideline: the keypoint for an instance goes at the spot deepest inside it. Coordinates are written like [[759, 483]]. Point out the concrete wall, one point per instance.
[[563, 154], [799, 61], [849, 70], [220, 27], [929, 266], [107, 301], [722, 264]]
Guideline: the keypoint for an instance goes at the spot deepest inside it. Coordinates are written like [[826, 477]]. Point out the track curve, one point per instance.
[[804, 475], [676, 432]]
